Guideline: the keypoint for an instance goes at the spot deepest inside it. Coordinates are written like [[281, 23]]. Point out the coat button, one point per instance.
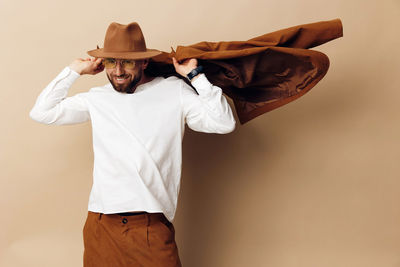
[[124, 220]]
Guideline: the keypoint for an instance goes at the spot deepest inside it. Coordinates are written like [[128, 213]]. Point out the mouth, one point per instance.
[[121, 79]]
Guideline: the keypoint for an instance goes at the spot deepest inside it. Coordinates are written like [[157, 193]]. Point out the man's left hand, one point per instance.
[[185, 67]]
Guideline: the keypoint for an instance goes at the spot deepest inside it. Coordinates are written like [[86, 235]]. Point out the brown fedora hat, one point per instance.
[[124, 41]]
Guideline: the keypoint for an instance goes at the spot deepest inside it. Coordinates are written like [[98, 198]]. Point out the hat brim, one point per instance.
[[124, 55]]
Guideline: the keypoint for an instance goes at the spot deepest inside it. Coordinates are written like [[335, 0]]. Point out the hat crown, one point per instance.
[[124, 41], [124, 38]]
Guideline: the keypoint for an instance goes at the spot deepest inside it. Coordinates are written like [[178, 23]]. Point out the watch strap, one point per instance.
[[194, 72]]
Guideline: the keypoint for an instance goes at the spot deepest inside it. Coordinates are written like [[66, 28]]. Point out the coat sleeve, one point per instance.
[[54, 107], [208, 111]]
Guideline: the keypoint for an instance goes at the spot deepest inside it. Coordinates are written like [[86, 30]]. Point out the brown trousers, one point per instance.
[[144, 240]]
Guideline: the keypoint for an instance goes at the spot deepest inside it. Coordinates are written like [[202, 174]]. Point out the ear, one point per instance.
[[145, 63]]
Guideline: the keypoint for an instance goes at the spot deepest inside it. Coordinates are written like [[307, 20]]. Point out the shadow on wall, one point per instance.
[[220, 172]]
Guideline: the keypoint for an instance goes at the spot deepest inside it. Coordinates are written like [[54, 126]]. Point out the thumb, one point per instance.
[[174, 61]]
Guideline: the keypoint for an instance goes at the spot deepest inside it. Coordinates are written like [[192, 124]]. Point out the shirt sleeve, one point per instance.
[[208, 111], [54, 107]]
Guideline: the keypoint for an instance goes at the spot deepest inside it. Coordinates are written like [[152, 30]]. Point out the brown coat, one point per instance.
[[265, 72]]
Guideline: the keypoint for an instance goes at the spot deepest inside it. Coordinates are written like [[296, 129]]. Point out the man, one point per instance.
[[138, 124]]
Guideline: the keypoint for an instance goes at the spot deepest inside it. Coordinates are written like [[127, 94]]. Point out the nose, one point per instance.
[[119, 70]]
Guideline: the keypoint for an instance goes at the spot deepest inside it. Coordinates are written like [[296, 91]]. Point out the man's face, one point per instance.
[[124, 79]]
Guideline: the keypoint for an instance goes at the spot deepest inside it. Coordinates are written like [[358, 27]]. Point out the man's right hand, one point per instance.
[[87, 66]]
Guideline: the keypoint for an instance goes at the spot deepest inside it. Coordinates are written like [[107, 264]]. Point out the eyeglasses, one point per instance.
[[110, 63]]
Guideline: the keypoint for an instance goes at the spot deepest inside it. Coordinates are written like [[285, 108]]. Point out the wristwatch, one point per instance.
[[194, 73]]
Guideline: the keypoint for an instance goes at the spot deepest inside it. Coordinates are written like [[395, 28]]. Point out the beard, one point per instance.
[[128, 88]]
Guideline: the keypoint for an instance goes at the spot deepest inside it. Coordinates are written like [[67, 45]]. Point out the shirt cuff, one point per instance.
[[73, 73], [202, 84], [66, 76]]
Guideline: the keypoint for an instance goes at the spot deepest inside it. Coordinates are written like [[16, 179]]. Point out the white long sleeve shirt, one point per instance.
[[137, 138]]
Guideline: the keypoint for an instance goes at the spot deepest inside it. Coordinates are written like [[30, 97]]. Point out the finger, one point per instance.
[[175, 61], [99, 68], [98, 62], [97, 71], [98, 65]]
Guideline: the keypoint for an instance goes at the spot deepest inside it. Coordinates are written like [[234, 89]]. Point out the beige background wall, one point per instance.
[[314, 183]]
